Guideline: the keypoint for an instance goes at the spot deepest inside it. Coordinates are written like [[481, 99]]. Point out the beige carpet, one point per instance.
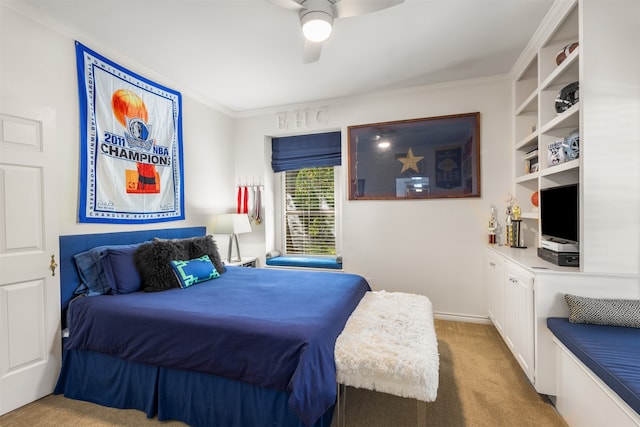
[[481, 385]]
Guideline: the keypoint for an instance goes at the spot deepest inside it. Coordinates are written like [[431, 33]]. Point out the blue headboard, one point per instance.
[[74, 244]]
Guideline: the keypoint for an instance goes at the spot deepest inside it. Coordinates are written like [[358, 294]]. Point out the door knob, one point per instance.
[[53, 265]]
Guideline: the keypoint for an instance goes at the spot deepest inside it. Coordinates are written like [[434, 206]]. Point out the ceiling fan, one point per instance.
[[316, 18]]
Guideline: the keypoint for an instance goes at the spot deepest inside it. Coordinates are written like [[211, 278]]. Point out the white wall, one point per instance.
[[37, 66], [430, 247], [610, 134]]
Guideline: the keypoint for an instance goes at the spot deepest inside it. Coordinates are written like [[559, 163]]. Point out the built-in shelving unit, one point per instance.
[[518, 281], [536, 122]]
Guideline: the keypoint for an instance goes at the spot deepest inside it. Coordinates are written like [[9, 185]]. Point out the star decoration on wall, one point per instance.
[[410, 161]]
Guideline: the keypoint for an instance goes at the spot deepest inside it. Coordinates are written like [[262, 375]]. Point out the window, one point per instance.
[[309, 166], [309, 211]]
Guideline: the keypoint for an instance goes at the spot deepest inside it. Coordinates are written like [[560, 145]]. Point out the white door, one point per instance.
[[30, 346]]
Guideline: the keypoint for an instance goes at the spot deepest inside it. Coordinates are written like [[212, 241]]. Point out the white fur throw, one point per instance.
[[389, 345]]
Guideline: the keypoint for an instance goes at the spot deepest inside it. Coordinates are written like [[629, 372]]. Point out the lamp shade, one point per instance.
[[232, 224]]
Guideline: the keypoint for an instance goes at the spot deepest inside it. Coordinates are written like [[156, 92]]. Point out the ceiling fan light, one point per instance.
[[317, 26]]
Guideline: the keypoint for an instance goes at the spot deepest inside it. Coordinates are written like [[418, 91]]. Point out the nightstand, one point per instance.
[[246, 262]]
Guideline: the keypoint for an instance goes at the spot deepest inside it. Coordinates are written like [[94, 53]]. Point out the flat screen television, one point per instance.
[[559, 213]]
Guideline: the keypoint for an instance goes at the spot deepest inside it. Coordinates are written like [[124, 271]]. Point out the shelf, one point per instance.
[[530, 215], [527, 177], [562, 167], [528, 141], [570, 119], [566, 73], [566, 31], [529, 105], [526, 87]]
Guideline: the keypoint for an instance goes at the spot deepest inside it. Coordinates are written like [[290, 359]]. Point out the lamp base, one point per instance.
[[232, 238]]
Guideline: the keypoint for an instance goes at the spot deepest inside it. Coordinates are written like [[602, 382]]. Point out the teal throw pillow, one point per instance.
[[194, 271]]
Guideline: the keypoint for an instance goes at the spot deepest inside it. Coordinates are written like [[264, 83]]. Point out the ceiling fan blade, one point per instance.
[[347, 8], [287, 4], [311, 51]]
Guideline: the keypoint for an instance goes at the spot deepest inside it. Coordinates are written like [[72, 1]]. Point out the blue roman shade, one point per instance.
[[306, 151]]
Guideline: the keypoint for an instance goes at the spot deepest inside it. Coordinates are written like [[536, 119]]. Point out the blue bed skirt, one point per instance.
[[197, 399]]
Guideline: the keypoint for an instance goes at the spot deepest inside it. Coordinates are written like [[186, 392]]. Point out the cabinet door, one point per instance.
[[495, 290], [511, 311], [519, 333]]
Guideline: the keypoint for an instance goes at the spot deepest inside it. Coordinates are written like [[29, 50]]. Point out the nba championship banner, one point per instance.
[[131, 145]]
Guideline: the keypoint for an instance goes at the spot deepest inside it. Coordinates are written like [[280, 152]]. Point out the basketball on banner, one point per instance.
[[125, 104]]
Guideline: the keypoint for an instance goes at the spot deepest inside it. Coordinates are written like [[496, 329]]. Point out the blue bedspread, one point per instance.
[[271, 328]]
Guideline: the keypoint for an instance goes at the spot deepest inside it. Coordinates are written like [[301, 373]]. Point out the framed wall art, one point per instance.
[[428, 158]]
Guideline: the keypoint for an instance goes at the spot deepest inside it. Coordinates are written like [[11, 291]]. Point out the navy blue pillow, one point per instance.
[[120, 270], [93, 280]]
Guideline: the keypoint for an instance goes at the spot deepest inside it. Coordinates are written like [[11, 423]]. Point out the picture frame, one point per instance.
[[426, 158]]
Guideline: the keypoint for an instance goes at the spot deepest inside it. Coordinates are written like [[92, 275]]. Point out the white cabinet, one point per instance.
[[511, 308], [524, 290]]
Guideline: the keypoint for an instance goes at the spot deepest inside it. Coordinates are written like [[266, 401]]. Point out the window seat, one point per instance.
[[598, 373], [333, 263]]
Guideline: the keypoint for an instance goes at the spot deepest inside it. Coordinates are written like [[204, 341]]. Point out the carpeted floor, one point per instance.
[[481, 384]]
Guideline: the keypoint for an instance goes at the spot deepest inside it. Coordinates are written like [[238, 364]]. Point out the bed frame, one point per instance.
[[172, 394]]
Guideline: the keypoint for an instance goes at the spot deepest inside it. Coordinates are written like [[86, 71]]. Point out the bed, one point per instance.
[[250, 347]]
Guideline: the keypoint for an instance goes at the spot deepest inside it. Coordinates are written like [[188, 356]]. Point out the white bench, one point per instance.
[[389, 345]]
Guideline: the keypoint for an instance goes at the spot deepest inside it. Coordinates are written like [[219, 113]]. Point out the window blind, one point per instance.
[[310, 214], [305, 151]]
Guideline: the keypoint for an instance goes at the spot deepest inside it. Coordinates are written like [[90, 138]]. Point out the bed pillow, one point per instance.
[[89, 264], [195, 247], [153, 262], [205, 245], [120, 269], [600, 311], [194, 271]]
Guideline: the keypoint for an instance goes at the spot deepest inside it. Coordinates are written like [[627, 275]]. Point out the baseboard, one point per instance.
[[457, 317]]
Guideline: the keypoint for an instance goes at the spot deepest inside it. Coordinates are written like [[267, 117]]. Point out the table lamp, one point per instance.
[[232, 224]]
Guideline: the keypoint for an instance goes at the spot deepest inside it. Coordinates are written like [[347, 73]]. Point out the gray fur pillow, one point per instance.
[[153, 262], [600, 311], [195, 247], [153, 259], [199, 246]]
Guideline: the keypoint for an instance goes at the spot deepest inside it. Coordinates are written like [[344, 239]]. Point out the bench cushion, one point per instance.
[[610, 352], [305, 261], [389, 345]]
